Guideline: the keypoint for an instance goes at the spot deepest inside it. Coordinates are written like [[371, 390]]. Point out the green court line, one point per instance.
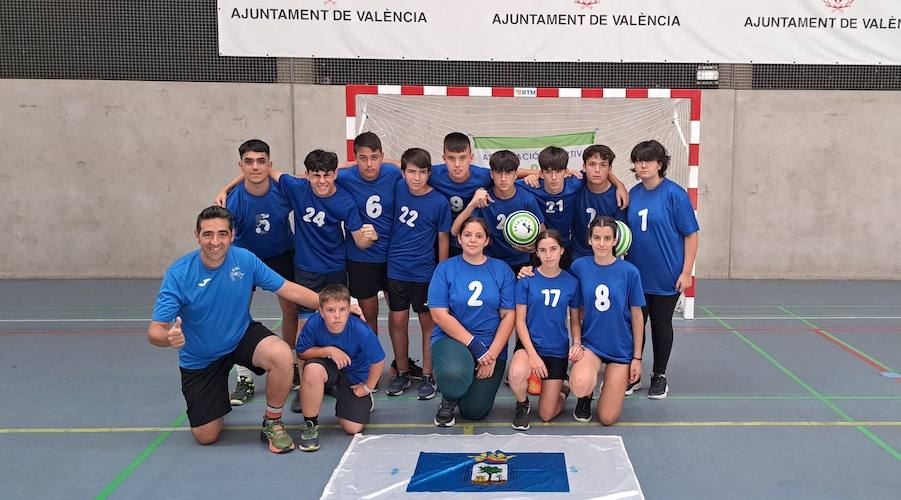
[[753, 345], [467, 428], [128, 470], [836, 339]]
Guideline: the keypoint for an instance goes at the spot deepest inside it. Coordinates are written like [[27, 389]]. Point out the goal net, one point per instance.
[[405, 117]]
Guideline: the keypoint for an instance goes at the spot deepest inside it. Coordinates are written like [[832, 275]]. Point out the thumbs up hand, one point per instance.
[[175, 335]]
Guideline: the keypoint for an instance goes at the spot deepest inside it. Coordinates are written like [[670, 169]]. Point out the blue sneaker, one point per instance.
[[427, 388]]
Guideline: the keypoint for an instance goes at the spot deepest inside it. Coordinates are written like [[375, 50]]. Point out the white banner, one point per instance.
[[717, 31], [528, 148]]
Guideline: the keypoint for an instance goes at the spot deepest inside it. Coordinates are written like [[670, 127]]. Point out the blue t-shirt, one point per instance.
[[458, 194], [375, 203], [660, 219], [357, 340], [474, 295], [558, 208], [261, 222], [607, 294], [547, 315], [417, 221], [214, 304], [495, 215], [318, 237], [588, 206]]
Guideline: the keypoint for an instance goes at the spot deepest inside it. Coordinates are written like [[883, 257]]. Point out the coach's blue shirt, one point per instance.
[[547, 302], [474, 295], [608, 294], [261, 222], [495, 215], [214, 304], [588, 206], [660, 219], [357, 340], [417, 222], [558, 208], [318, 236], [375, 203]]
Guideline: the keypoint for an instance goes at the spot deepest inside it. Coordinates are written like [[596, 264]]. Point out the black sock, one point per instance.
[[312, 420], [586, 398]]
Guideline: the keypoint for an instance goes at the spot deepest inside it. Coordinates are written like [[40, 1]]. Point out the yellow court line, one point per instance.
[[469, 428]]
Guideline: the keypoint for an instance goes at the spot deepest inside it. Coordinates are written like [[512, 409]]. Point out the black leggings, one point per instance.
[[660, 308]]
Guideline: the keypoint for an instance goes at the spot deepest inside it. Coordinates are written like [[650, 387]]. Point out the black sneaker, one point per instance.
[[659, 388], [295, 381], [413, 370], [243, 391], [445, 415], [295, 404], [521, 418], [398, 384], [582, 413], [634, 386]]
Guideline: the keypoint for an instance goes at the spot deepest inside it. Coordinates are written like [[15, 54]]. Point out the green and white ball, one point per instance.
[[623, 239], [521, 228]]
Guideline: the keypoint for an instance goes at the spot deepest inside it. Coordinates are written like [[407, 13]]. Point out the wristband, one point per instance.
[[635, 359], [367, 389], [477, 348]]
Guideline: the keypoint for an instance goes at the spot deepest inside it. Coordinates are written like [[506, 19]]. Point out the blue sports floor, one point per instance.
[[780, 389]]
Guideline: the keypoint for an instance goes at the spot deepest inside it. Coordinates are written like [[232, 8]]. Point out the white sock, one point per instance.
[[244, 372]]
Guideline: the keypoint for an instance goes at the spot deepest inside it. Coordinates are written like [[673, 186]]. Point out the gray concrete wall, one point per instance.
[[816, 179], [104, 179]]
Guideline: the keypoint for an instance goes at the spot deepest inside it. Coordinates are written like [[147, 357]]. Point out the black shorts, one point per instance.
[[556, 367], [206, 389], [316, 282], [282, 264], [347, 405], [366, 278], [403, 294]]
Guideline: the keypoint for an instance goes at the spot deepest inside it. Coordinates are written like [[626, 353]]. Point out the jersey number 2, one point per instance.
[[476, 288]]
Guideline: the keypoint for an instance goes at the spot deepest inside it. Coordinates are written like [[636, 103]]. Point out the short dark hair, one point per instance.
[[367, 140], [602, 221], [598, 150], [254, 145], [456, 142], [318, 160], [503, 161], [334, 291], [215, 212], [417, 157], [553, 158], [650, 151]]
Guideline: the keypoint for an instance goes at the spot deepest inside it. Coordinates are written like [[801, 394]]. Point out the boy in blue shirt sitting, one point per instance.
[[342, 354]]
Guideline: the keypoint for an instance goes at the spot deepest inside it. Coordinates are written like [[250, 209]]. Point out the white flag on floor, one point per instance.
[[514, 466]]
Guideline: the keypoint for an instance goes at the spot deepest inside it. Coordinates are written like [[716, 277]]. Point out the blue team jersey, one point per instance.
[[357, 340], [474, 295], [660, 219], [547, 301], [495, 215], [458, 194], [558, 208], [261, 222], [375, 203], [318, 237], [607, 294], [588, 206], [214, 304], [417, 221]]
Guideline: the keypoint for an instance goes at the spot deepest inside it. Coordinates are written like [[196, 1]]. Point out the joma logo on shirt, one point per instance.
[[204, 282]]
